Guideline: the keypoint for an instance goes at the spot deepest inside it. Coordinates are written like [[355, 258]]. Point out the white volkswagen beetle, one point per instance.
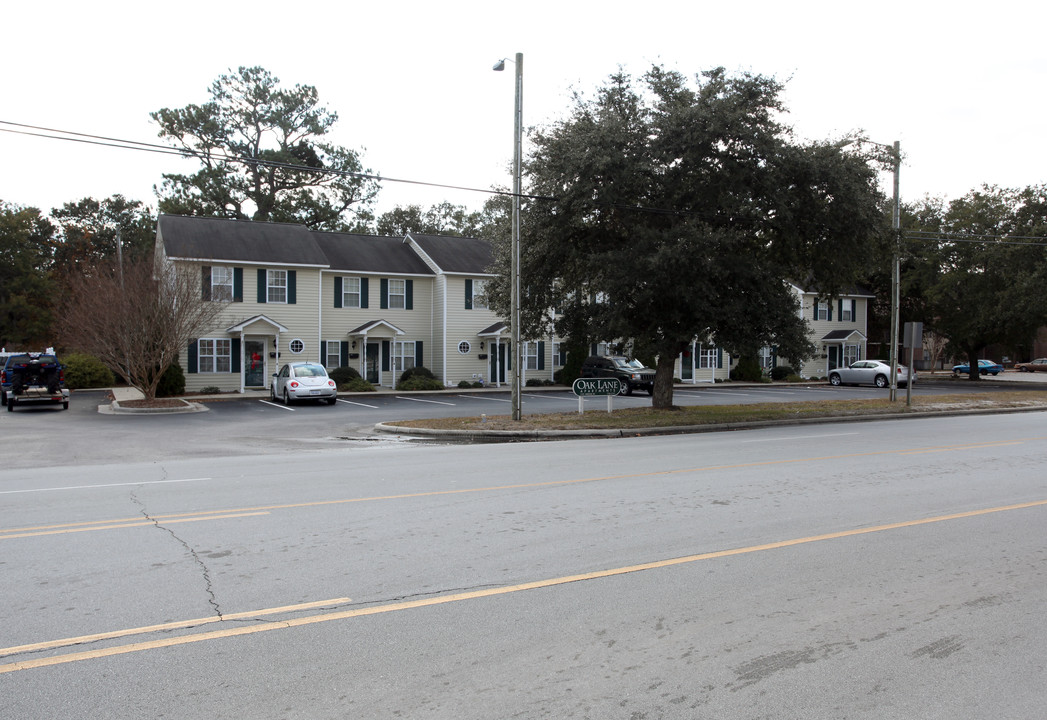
[[303, 381]]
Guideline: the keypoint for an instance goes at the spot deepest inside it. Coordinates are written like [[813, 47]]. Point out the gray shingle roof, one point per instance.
[[370, 253], [204, 238], [467, 256]]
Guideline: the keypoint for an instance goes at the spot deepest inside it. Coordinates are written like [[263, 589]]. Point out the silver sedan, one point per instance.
[[303, 381], [868, 372]]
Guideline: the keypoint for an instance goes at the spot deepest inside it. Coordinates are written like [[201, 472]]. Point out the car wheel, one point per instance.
[[332, 401], [272, 393], [287, 398], [650, 391], [834, 379], [881, 381], [626, 388], [995, 374]]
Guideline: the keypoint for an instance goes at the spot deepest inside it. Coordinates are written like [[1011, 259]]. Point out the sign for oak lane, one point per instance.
[[583, 387]]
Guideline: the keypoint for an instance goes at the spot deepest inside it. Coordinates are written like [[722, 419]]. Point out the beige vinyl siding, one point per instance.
[[818, 365], [464, 325]]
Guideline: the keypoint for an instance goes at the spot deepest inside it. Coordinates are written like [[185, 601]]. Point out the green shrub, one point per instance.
[[419, 371], [210, 390], [476, 384], [86, 371], [172, 382], [781, 372], [794, 378], [463, 384], [357, 384], [419, 382], [747, 370], [344, 375], [533, 382]]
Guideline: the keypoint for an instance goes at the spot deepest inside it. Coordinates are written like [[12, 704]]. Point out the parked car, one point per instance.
[[1037, 365], [631, 373], [985, 367], [303, 381], [869, 372]]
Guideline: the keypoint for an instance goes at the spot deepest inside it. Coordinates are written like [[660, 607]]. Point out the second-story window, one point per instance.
[[221, 283], [276, 286], [397, 294], [822, 311], [351, 292]]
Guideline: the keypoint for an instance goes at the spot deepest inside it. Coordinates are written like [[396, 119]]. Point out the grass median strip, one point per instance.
[[648, 417]]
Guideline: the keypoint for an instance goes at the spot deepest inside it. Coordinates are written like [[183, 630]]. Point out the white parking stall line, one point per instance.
[[350, 402], [480, 397], [282, 407], [434, 402], [696, 393], [553, 397]]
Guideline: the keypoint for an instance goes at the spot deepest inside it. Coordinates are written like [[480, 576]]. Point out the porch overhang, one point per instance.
[[493, 331], [843, 337], [376, 328], [241, 327]]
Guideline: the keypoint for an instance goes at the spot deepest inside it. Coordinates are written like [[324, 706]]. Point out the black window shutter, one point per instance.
[[292, 287], [829, 307], [383, 293], [338, 291], [323, 353], [363, 292], [238, 284], [816, 308], [234, 365], [418, 357], [343, 353], [541, 355], [719, 358], [192, 358], [468, 294], [385, 356], [409, 300], [205, 283], [261, 285]]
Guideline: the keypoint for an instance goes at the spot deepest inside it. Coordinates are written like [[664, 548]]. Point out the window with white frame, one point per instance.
[[706, 357], [397, 294], [351, 292], [559, 354], [530, 351], [847, 311], [214, 355], [822, 309], [851, 353], [296, 346], [276, 286], [766, 358], [403, 356], [479, 302], [334, 356], [221, 283]]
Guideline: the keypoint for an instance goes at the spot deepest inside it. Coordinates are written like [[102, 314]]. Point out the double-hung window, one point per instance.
[[707, 357], [397, 294], [559, 354], [403, 356], [221, 283], [530, 355], [351, 292], [847, 311], [276, 286], [479, 303], [334, 356], [822, 310], [214, 355], [851, 353]]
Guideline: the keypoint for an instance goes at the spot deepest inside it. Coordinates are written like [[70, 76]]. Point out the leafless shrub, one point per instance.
[[136, 320]]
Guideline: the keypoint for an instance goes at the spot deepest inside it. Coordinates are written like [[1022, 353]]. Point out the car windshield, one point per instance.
[[310, 371]]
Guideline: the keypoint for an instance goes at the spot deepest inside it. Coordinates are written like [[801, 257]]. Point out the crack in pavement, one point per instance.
[[208, 587]]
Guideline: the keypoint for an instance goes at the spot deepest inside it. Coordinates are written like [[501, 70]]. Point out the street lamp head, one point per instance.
[[499, 66]]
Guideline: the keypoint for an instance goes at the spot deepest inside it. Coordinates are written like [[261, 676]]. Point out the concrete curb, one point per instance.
[[114, 408]]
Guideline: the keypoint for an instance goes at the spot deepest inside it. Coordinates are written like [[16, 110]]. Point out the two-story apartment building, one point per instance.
[[839, 328], [378, 304]]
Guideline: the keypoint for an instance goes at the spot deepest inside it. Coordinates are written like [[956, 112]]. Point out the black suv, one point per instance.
[[632, 374]]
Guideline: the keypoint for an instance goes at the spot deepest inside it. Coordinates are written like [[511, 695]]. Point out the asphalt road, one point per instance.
[[891, 569]]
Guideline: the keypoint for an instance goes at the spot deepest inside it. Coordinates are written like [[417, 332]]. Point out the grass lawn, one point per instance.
[[729, 414]]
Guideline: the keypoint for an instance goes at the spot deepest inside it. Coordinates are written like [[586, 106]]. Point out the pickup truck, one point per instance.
[[31, 378]]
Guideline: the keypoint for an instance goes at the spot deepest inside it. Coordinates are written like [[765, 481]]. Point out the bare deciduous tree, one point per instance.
[[135, 321]]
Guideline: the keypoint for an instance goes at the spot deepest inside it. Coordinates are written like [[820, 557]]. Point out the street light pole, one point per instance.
[[514, 271], [896, 273]]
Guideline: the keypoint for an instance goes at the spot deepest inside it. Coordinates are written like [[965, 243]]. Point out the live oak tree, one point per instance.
[[975, 269], [27, 245], [90, 229], [441, 219], [658, 212], [265, 156]]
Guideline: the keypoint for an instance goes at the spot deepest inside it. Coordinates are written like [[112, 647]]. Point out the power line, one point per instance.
[[101, 140]]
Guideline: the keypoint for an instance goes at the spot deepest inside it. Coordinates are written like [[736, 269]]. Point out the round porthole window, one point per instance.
[[296, 346], [464, 347]]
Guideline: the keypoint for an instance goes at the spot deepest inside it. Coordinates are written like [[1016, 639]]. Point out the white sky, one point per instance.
[[960, 84]]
